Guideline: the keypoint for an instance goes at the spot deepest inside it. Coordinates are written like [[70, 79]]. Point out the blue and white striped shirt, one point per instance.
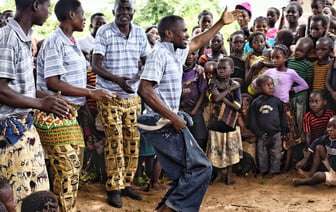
[[121, 55], [58, 56], [16, 64], [164, 66]]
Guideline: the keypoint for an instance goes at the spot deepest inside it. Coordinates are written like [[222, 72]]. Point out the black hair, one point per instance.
[[255, 34], [168, 23], [25, 4], [297, 5], [307, 41], [286, 37], [93, 16], [204, 13], [277, 11], [226, 59], [321, 92], [247, 96], [150, 27], [328, 41], [44, 201], [322, 18], [63, 7], [284, 49], [239, 32], [262, 79], [260, 18]]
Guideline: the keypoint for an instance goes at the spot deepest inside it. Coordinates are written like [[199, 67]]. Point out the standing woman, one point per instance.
[[61, 68]]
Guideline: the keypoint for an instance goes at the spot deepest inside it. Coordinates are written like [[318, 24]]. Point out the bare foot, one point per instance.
[[303, 173], [297, 181]]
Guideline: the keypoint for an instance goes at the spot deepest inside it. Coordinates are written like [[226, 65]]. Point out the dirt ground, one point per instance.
[[247, 194]]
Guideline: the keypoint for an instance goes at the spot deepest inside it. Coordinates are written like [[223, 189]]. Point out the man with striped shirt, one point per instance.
[[119, 46]]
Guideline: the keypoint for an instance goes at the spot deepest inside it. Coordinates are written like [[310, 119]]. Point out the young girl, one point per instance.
[[259, 25], [237, 42], [273, 15], [255, 62], [284, 78], [216, 45], [293, 13], [224, 143]]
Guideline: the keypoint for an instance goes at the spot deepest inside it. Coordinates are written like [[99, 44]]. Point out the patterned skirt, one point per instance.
[[292, 137]]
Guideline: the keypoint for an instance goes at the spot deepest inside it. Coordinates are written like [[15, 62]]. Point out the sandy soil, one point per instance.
[[247, 194]]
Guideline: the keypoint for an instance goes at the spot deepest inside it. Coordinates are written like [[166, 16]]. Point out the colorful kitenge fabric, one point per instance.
[[56, 131]]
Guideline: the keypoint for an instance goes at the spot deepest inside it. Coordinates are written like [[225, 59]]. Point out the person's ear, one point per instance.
[[35, 5], [169, 33], [71, 14]]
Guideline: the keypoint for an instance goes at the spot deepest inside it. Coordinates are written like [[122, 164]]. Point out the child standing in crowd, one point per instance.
[[304, 69], [210, 69], [324, 149], [216, 45], [7, 195], [268, 122], [205, 19], [273, 14], [284, 78], [324, 49], [248, 137], [259, 25], [293, 13], [193, 92], [224, 144], [61, 67], [237, 42], [256, 63]]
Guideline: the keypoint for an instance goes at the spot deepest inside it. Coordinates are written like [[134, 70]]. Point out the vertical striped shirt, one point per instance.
[[16, 64], [121, 55], [164, 66], [317, 126], [58, 56]]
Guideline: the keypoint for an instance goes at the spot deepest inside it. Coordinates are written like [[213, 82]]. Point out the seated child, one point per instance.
[[324, 149], [7, 195], [268, 122], [43, 201]]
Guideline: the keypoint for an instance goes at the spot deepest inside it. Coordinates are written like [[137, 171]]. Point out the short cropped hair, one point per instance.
[[227, 59], [63, 7], [262, 79], [25, 4], [168, 23], [93, 16]]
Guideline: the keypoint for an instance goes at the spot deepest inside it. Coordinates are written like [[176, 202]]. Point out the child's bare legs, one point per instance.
[[317, 178], [156, 175], [229, 177], [288, 160], [319, 155]]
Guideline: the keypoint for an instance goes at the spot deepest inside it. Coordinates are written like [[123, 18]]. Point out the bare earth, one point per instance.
[[247, 194]]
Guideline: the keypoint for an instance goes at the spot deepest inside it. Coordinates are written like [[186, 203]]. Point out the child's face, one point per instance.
[[316, 103], [8, 200], [205, 22], [261, 26], [278, 58], [245, 106], [216, 42], [244, 19], [332, 26], [331, 128], [292, 14], [237, 43], [272, 17], [209, 72], [300, 32], [322, 50], [317, 30], [316, 7], [224, 70], [191, 58], [258, 43], [78, 22], [267, 87], [301, 50]]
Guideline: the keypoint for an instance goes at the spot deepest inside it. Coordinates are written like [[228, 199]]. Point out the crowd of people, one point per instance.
[[125, 106]]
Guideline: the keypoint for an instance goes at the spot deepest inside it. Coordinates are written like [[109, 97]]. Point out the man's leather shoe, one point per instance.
[[114, 199], [129, 192]]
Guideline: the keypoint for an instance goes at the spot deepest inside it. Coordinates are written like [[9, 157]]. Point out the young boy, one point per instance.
[[22, 157], [7, 195], [193, 92], [304, 69], [324, 49], [268, 122], [324, 149]]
